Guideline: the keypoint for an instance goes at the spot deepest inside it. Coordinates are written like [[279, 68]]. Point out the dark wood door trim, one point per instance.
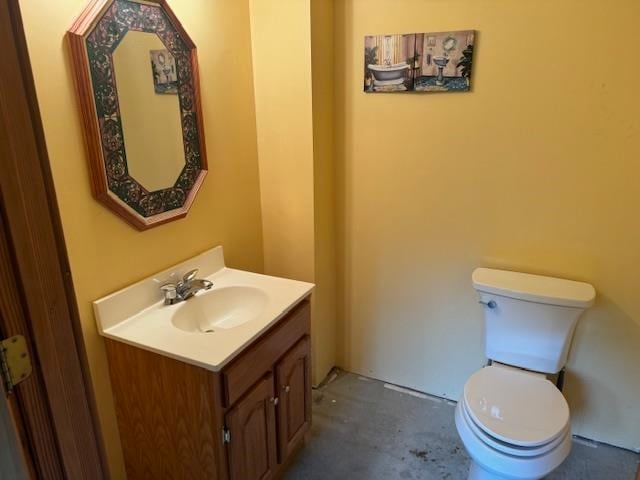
[[28, 406], [57, 405]]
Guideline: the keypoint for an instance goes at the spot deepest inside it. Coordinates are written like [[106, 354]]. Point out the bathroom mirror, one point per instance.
[[449, 43], [136, 75]]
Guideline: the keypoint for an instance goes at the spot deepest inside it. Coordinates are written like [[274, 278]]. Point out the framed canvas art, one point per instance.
[[165, 74], [421, 62]]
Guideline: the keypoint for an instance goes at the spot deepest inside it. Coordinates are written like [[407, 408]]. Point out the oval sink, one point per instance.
[[220, 309]]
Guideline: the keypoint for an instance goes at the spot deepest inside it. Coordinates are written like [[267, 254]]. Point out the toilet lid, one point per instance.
[[516, 407]]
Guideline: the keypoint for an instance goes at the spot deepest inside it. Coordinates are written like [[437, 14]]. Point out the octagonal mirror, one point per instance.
[[136, 74]]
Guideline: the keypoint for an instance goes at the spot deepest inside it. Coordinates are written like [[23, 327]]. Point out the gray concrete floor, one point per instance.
[[364, 431]]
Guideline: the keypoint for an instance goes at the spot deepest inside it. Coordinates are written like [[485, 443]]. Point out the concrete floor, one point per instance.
[[364, 431]]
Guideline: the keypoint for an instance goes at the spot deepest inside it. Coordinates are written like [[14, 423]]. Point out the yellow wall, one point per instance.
[[536, 170], [325, 294], [281, 39], [280, 33], [106, 253]]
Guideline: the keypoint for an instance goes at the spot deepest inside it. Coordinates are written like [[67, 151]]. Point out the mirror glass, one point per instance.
[[150, 115], [137, 76], [449, 43]]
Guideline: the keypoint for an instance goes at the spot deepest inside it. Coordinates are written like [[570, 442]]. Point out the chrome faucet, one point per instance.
[[185, 288]]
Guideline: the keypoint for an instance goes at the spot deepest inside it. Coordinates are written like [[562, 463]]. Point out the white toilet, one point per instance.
[[513, 421]]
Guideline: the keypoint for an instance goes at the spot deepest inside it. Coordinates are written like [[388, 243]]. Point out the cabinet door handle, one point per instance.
[[274, 400], [286, 388]]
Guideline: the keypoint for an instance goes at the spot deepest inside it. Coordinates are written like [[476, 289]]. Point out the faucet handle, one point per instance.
[[190, 276], [170, 292]]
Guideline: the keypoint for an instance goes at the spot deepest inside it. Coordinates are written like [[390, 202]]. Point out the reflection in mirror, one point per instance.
[[150, 120]]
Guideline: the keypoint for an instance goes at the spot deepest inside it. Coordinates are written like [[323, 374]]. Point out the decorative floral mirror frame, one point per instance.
[[93, 38]]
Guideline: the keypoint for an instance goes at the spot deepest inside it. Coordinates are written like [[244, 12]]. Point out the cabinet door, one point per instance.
[[252, 426], [293, 383]]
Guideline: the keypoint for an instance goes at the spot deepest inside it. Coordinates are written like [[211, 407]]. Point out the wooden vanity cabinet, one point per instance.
[[245, 422]]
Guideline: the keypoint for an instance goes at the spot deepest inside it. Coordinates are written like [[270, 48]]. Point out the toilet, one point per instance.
[[513, 421]]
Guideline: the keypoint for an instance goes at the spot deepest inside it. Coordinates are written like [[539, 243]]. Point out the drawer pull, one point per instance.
[[274, 400], [286, 388]]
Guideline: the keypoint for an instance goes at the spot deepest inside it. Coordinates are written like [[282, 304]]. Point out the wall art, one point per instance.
[[421, 62]]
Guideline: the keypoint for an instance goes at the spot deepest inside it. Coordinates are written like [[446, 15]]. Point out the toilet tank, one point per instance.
[[530, 319]]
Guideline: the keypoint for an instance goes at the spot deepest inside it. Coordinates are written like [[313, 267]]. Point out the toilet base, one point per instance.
[[476, 472]]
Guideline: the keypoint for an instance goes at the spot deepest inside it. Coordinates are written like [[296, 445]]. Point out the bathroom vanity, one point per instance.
[[227, 396]]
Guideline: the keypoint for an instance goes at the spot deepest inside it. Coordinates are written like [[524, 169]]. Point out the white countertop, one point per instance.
[[137, 316]]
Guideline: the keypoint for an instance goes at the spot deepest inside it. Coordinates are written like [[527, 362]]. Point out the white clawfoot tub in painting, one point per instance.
[[388, 74]]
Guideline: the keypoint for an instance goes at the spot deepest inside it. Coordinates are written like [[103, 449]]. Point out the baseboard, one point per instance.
[[331, 376]]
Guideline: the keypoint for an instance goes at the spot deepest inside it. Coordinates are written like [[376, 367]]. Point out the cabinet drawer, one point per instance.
[[260, 357]]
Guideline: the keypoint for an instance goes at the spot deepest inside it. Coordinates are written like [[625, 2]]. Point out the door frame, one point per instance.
[[54, 410]]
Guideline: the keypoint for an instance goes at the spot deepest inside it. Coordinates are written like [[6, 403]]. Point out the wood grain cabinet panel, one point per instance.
[[260, 357], [174, 417], [166, 415], [252, 429], [293, 383]]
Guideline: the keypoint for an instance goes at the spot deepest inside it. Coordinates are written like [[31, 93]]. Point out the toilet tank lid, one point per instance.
[[534, 288]]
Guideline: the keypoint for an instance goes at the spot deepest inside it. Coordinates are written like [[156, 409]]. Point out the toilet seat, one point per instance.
[[525, 436], [507, 448], [516, 410]]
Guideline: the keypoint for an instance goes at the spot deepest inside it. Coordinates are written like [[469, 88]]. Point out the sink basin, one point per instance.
[[220, 309], [211, 328], [441, 61]]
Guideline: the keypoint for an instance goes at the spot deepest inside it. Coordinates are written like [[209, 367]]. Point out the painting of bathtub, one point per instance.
[[421, 62], [388, 63]]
